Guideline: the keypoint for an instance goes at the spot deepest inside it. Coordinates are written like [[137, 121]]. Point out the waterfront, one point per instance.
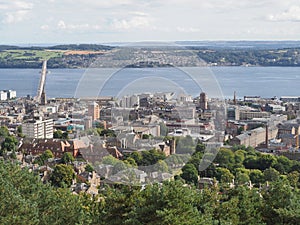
[[263, 81]]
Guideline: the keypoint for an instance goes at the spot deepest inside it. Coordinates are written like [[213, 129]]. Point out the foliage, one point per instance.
[[42, 159], [61, 135], [8, 145], [62, 175], [67, 158], [4, 131], [190, 174]]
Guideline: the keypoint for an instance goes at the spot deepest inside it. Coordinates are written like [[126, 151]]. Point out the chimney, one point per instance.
[[267, 136], [234, 98], [297, 139], [173, 146]]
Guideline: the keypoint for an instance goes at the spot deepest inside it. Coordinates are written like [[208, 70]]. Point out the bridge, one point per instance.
[[41, 87]]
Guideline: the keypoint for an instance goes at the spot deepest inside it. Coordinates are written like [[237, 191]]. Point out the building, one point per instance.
[[87, 122], [249, 115], [3, 96], [233, 113], [38, 128], [130, 101], [252, 98], [203, 101], [255, 137], [11, 94], [94, 111], [290, 98]]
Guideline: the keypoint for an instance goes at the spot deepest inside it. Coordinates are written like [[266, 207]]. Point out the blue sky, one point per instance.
[[103, 21]]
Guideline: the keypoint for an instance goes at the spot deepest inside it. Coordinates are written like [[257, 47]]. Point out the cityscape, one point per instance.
[[199, 125]]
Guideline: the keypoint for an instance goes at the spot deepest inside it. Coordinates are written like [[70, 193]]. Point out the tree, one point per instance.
[[170, 203], [57, 134], [224, 175], [62, 175], [44, 157], [265, 161], [225, 158], [271, 174], [190, 174], [293, 178], [200, 147], [9, 145], [256, 177], [241, 178], [67, 158], [4, 131], [283, 165], [281, 204]]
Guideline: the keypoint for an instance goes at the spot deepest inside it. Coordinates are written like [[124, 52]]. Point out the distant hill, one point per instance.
[[213, 53]]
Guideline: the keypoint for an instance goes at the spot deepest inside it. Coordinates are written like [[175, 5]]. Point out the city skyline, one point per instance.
[[52, 21]]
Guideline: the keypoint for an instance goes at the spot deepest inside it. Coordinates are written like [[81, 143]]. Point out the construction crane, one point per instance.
[[41, 96]]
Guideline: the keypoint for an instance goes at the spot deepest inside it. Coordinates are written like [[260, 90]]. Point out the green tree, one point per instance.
[[170, 203], [224, 175], [256, 177], [200, 147], [241, 178], [293, 178], [4, 131], [57, 134], [281, 204], [271, 174], [9, 145], [225, 158], [265, 161], [62, 175], [67, 158], [190, 174]]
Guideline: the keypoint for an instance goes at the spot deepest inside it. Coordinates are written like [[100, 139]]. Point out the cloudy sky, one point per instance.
[[101, 21]]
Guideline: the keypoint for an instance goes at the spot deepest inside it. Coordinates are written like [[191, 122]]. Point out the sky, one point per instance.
[[106, 21]]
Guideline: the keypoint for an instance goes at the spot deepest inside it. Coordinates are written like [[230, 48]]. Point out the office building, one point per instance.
[[38, 128], [94, 111]]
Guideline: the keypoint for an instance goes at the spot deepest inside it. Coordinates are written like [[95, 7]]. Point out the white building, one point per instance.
[[38, 128], [11, 94], [3, 96]]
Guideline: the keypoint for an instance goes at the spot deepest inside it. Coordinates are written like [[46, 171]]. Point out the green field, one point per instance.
[[30, 54]]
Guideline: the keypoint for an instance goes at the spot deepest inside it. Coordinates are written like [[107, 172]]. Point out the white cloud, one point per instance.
[[62, 25], [132, 23], [188, 29], [15, 11], [292, 14], [45, 27], [14, 17]]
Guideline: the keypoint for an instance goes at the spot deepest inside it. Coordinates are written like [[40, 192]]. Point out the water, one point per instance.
[[262, 81]]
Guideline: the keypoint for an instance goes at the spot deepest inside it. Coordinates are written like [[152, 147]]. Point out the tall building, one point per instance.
[[3, 96], [130, 101], [203, 101], [38, 128], [94, 111]]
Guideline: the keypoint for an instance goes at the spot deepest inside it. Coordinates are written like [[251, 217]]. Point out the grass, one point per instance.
[[30, 54]]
